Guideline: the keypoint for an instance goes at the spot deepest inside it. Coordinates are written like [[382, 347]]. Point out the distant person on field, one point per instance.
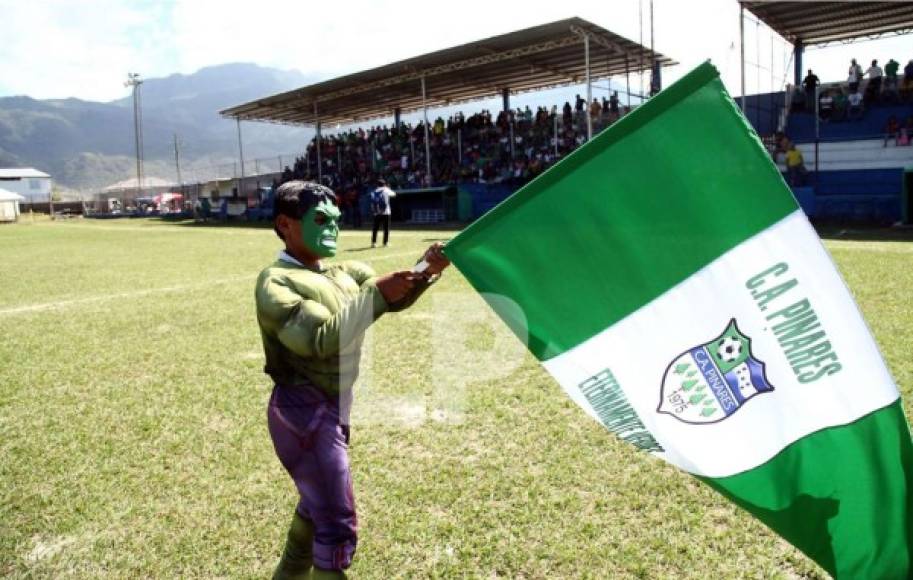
[[312, 317], [795, 166], [205, 208], [380, 207]]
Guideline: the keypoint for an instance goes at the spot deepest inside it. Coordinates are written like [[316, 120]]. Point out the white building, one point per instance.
[[9, 205], [33, 185]]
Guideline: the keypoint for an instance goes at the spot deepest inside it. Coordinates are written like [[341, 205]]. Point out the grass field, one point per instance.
[[133, 439]]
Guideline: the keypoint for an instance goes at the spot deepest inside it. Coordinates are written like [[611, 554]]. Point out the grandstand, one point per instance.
[[453, 167], [485, 156], [855, 173]]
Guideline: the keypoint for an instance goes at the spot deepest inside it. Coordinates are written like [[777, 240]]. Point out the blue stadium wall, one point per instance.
[[870, 196]]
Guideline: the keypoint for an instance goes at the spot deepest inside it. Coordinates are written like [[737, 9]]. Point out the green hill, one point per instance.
[[86, 145]]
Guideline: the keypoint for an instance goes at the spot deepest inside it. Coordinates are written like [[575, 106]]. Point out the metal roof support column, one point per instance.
[[319, 167], [427, 140], [817, 132], [397, 117], [654, 65], [742, 44], [556, 133], [757, 58], [589, 87], [460, 146], [240, 148], [628, 81], [798, 51], [505, 97]]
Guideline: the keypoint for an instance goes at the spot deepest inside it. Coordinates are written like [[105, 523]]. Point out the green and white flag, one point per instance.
[[666, 277]]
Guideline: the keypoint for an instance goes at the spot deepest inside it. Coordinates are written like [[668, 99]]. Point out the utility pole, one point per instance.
[[135, 82], [177, 166], [640, 6], [654, 81], [177, 161]]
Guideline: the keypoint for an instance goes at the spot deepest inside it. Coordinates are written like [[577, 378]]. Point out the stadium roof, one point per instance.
[[550, 55], [823, 22]]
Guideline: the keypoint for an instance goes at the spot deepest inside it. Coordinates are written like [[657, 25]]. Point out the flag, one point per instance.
[[666, 278]]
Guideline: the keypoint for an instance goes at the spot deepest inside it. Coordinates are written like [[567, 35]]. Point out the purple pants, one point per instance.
[[312, 445]]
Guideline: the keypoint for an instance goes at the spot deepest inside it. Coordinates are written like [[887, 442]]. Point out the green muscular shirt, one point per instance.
[[313, 322]]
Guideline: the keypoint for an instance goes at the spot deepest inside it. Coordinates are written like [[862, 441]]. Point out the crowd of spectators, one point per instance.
[[849, 100], [511, 147]]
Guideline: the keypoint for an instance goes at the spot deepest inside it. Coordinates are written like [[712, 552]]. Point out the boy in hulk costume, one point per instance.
[[312, 320]]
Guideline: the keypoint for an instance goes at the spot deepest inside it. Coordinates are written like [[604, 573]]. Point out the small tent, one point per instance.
[[9, 205]]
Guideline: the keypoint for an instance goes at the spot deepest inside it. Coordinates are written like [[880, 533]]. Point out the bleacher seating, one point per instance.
[[859, 177], [801, 126], [863, 154]]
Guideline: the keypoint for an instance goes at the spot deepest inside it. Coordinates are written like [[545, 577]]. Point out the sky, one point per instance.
[[82, 49]]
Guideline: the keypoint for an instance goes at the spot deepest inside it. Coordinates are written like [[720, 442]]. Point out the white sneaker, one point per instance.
[[373, 245]]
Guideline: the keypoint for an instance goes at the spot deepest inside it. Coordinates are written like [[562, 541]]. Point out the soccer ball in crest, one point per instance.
[[729, 349]]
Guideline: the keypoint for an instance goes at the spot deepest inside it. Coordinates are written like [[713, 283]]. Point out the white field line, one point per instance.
[[58, 304], [230, 231], [106, 297]]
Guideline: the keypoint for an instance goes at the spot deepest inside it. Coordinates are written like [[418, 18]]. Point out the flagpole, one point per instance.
[[817, 133], [459, 146], [628, 81], [427, 142], [317, 124], [556, 133]]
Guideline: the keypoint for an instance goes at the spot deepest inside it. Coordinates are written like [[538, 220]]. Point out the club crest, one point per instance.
[[711, 381]]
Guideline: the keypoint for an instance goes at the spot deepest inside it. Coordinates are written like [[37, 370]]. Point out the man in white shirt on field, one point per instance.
[[380, 206]]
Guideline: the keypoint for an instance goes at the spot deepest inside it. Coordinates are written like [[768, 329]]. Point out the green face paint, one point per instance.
[[320, 238]]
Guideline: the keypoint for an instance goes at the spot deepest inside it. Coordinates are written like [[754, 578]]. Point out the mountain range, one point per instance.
[[86, 145]]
